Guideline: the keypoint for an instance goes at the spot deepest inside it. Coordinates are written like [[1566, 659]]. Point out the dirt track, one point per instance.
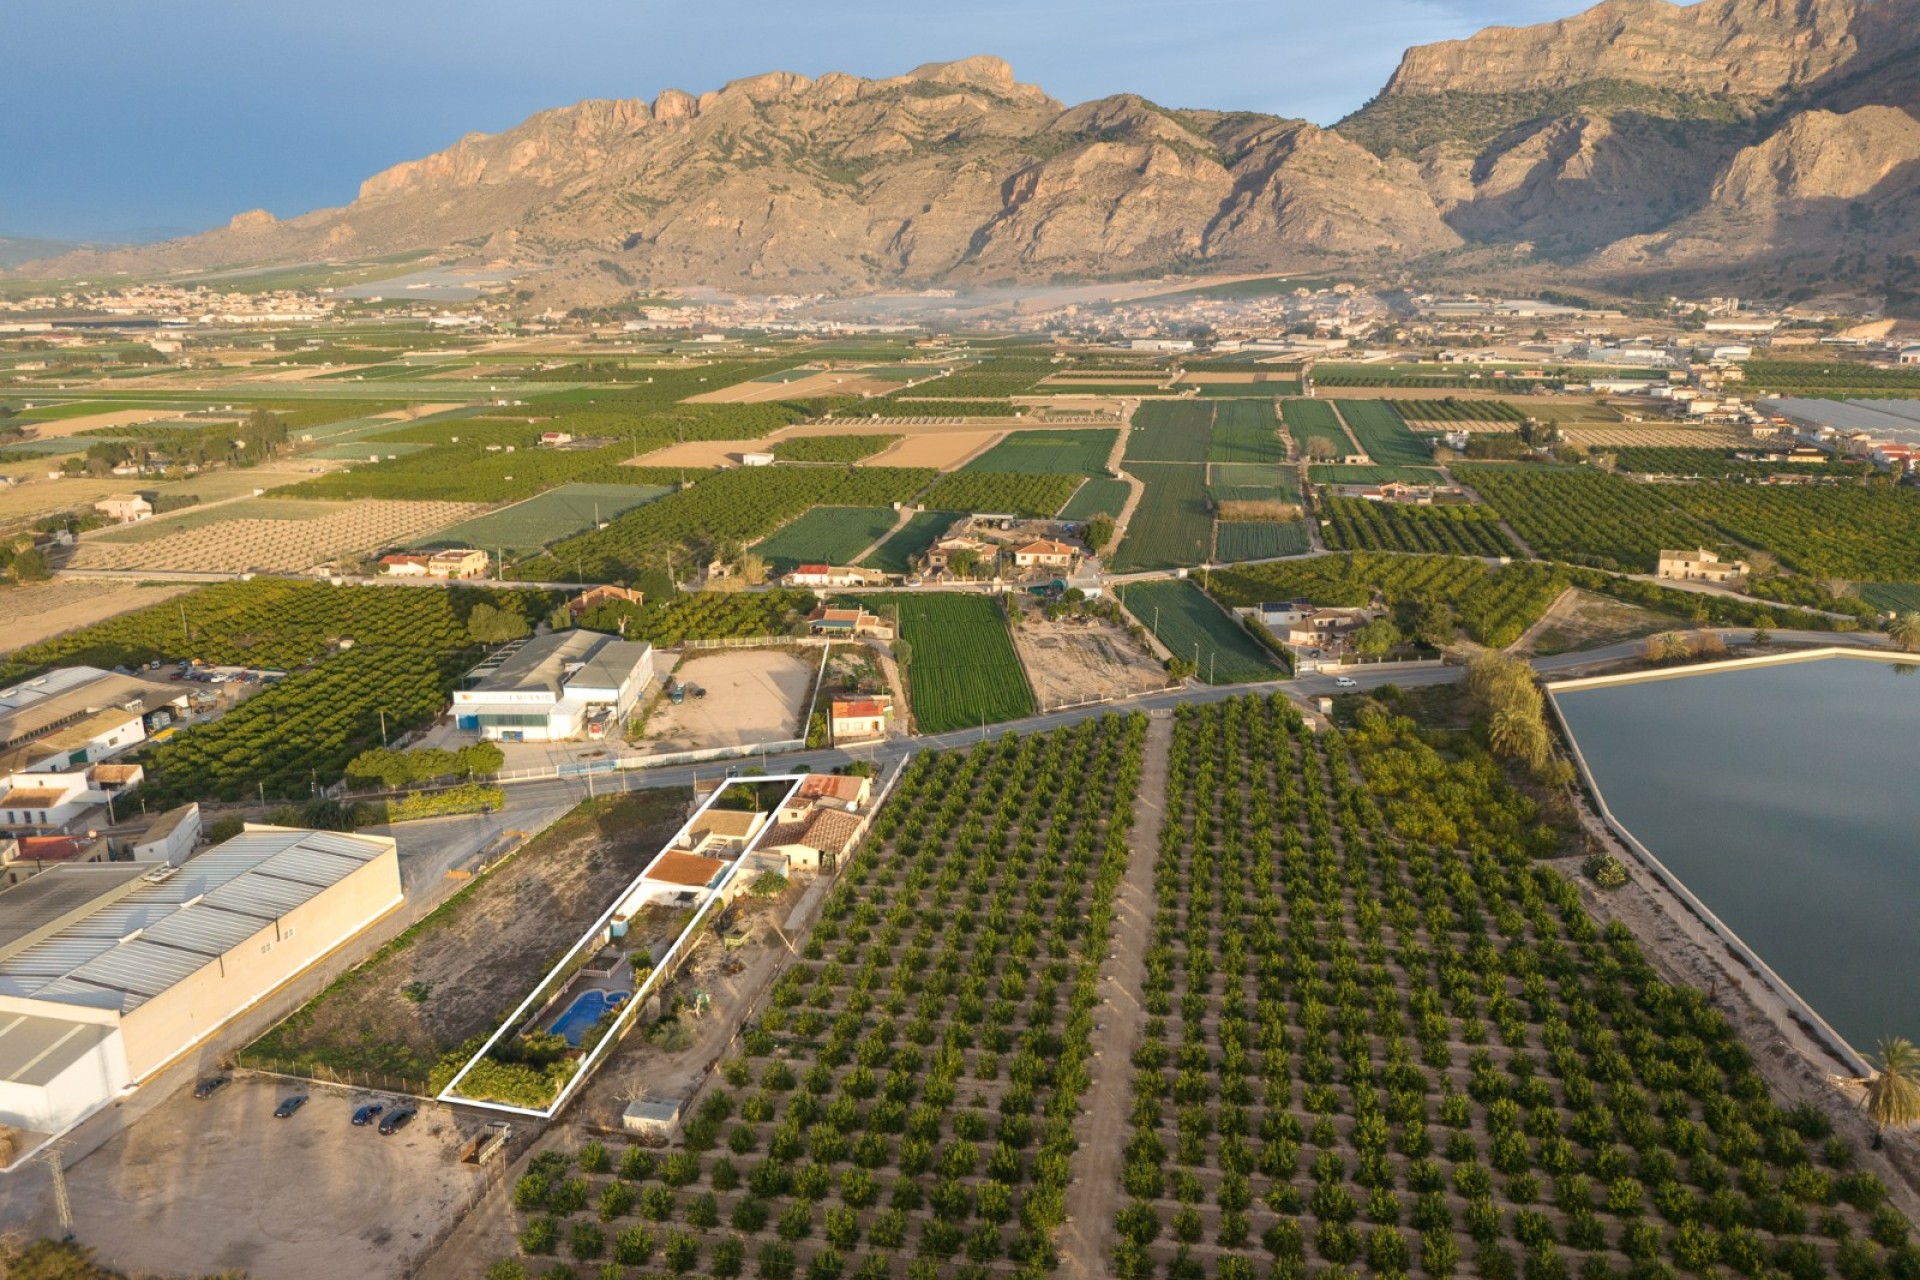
[[1093, 1197]]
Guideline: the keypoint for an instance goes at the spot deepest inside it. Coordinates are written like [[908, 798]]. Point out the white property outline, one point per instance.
[[632, 1005], [1797, 1004]]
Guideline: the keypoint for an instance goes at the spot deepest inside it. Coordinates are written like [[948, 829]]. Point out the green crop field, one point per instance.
[[1259, 540], [1382, 434], [539, 522], [835, 535], [1096, 497], [1310, 420], [1891, 597], [1177, 431], [737, 505], [963, 668], [1067, 453], [1190, 624], [1173, 525], [1246, 431], [896, 554]]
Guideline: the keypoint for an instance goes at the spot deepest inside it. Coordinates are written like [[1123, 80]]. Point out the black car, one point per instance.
[[289, 1105], [366, 1114], [210, 1086], [398, 1119]]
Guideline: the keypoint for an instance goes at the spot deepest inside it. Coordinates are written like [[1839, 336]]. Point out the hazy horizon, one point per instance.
[[181, 116]]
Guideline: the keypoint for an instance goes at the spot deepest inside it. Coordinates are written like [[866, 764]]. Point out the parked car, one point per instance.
[[1346, 682], [365, 1115], [210, 1086], [397, 1119], [289, 1105]]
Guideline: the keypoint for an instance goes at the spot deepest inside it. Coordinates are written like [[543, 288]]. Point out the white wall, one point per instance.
[[92, 1079]]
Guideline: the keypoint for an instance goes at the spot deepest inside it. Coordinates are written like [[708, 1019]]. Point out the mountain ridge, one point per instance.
[[1634, 138]]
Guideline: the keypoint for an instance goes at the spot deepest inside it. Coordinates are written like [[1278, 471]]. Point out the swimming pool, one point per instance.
[[587, 1008]]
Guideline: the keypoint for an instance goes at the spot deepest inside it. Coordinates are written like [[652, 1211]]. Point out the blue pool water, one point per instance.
[[587, 1008]]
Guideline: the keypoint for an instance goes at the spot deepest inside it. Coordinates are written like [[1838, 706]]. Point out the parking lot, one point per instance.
[[219, 1184]]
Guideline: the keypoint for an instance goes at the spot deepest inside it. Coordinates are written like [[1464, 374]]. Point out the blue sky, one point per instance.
[[127, 119]]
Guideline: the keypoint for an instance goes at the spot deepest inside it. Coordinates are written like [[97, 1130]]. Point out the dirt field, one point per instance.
[[753, 695], [1583, 620], [207, 1186], [1071, 662], [60, 428], [475, 957], [39, 612], [945, 450], [241, 542]]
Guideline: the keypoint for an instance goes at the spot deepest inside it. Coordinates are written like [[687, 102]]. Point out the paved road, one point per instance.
[[553, 791]]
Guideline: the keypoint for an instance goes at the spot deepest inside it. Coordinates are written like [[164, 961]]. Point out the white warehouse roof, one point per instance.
[[132, 947]]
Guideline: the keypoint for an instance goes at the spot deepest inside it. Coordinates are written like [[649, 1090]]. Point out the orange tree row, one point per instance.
[[906, 1102], [1381, 1036]]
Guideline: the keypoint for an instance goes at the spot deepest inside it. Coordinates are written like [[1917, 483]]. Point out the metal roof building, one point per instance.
[[160, 958]]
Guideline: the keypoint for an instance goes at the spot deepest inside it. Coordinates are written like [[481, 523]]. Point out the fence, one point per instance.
[[321, 1073], [753, 642]]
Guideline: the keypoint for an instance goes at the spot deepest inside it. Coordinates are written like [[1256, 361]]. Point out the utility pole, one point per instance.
[[62, 1204], [383, 726]]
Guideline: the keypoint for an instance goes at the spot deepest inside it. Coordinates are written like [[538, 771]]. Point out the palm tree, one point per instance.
[[1904, 630], [1671, 646], [1518, 734], [1893, 1092]]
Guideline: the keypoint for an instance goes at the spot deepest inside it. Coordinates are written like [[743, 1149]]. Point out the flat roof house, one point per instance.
[[1698, 565], [111, 971], [827, 575], [545, 688]]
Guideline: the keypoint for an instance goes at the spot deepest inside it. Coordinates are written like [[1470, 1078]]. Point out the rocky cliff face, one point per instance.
[[1633, 137]]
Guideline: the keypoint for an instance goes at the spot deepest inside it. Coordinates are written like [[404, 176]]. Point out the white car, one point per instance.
[[1346, 682]]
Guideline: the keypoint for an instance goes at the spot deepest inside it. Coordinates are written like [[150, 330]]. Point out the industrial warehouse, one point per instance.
[[111, 971], [546, 689]]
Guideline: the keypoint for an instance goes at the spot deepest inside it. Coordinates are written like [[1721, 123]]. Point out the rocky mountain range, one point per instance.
[[1769, 143]]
